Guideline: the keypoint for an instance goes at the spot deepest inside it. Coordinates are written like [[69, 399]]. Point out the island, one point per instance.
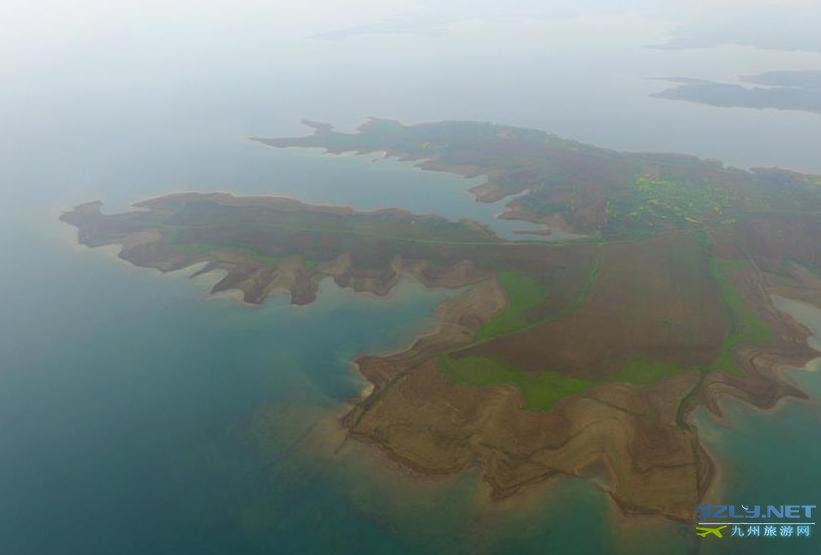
[[583, 357], [780, 90]]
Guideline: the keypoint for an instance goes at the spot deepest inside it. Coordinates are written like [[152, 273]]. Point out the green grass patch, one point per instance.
[[654, 204], [309, 264], [643, 371], [540, 391], [746, 327], [524, 294]]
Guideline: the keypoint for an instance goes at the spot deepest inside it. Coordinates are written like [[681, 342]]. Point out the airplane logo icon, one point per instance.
[[704, 531]]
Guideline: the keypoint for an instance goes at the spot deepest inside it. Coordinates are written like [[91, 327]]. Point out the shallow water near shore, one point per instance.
[[140, 415], [774, 456]]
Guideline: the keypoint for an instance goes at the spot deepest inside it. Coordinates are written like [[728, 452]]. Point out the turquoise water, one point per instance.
[[771, 457], [128, 402], [140, 416]]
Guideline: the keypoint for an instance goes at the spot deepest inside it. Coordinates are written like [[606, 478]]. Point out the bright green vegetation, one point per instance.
[[524, 294], [657, 203], [309, 264], [643, 371], [205, 248], [746, 327], [665, 199], [540, 391]]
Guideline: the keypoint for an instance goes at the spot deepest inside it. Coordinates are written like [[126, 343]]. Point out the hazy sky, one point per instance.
[[580, 68], [37, 27]]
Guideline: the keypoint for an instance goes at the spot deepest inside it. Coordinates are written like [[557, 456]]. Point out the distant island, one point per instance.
[[781, 90], [580, 357]]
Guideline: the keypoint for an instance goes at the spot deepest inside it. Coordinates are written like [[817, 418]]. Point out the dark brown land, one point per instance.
[[653, 298]]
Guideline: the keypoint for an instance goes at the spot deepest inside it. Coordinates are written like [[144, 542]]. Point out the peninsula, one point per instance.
[[780, 90], [581, 357]]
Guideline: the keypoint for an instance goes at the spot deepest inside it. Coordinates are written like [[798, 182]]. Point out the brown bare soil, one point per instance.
[[432, 426], [654, 299]]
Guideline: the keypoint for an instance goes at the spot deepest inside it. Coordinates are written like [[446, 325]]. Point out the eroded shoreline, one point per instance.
[[384, 371], [582, 359]]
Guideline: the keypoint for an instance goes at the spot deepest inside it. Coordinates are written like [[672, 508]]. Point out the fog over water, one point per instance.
[[102, 86], [130, 407]]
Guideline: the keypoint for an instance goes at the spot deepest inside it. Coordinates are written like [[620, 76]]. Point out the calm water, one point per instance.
[[771, 457], [138, 416]]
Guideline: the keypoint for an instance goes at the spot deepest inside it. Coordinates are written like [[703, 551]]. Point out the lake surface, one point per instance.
[[139, 416], [771, 457]]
